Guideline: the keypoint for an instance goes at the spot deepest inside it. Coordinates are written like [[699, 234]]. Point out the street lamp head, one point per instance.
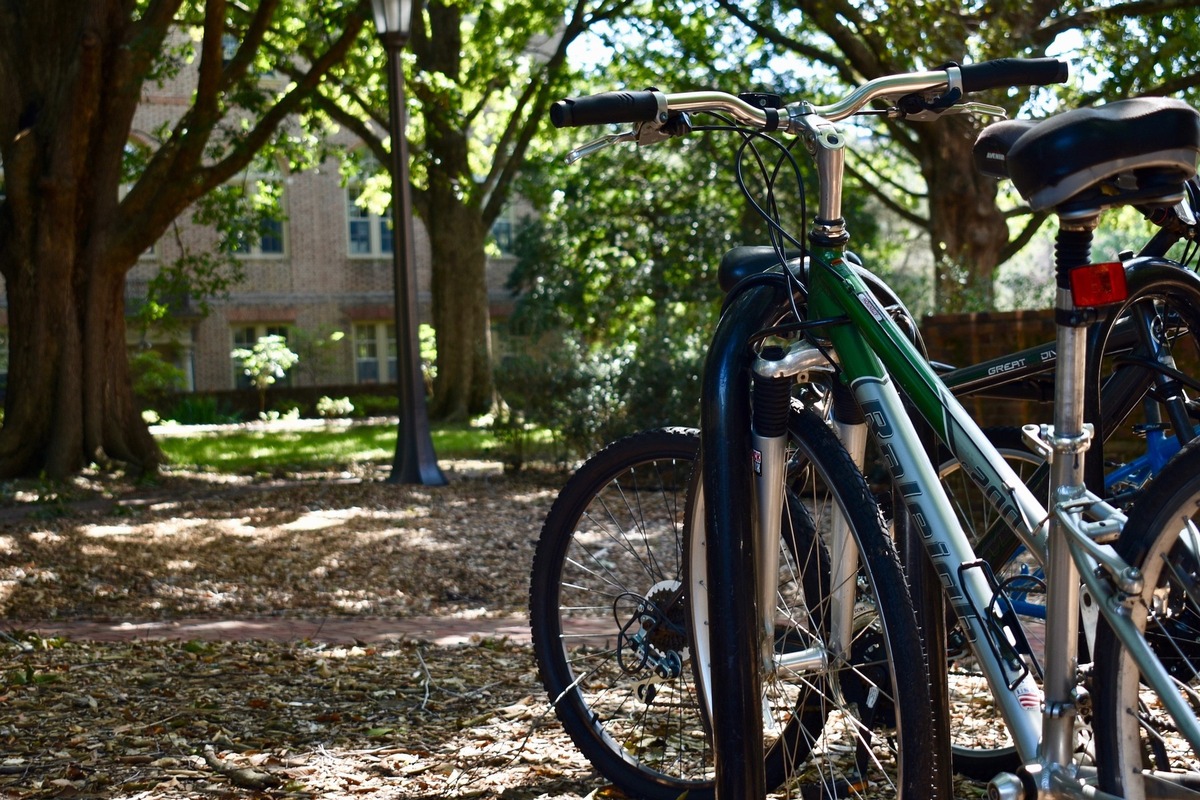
[[393, 17]]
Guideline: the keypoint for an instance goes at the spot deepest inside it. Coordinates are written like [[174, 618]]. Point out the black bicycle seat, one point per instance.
[[746, 260], [1131, 151], [992, 146]]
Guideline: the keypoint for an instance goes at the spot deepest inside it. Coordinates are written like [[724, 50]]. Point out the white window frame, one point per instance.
[[381, 338], [376, 224]]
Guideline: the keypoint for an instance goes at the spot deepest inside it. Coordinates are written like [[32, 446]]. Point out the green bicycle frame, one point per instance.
[[869, 348], [873, 351]]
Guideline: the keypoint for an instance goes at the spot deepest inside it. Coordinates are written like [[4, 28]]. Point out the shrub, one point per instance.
[[588, 398], [374, 405], [264, 363], [153, 376], [328, 407], [553, 383], [193, 409], [287, 415]]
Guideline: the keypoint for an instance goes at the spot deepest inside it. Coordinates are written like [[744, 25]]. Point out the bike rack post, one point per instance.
[[732, 585]]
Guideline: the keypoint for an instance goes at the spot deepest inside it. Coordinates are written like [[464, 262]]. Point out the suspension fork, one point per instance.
[[851, 430], [772, 383], [771, 404]]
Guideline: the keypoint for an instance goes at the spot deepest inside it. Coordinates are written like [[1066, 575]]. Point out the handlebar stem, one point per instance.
[[827, 144]]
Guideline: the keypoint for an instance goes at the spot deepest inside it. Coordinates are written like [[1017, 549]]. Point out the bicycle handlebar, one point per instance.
[[650, 104], [1006, 72], [608, 107]]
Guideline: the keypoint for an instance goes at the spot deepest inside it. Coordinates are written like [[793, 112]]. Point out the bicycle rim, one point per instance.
[[1142, 752]]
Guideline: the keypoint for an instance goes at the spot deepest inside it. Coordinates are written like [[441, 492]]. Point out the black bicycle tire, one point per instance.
[[1147, 539], [585, 725], [881, 564], [1149, 280]]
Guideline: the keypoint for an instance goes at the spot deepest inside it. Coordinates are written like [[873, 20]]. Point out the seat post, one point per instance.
[[1072, 248], [1069, 442]]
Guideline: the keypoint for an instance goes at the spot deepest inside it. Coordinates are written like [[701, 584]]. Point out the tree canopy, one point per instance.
[[74, 219], [1118, 48], [80, 203]]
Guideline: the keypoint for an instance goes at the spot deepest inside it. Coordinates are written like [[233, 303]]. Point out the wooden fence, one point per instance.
[[964, 339]]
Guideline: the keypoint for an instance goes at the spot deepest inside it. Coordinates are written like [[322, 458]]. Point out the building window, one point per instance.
[[259, 231], [267, 240], [247, 336], [502, 235], [504, 231], [374, 352], [249, 212], [369, 233]]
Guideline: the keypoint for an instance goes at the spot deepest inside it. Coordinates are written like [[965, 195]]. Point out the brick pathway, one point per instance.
[[435, 630]]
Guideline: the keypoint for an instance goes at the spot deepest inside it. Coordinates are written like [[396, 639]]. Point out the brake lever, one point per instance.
[[597, 145], [645, 133], [929, 115], [986, 109]]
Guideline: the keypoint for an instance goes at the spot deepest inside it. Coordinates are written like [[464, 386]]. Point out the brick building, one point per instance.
[[325, 267]]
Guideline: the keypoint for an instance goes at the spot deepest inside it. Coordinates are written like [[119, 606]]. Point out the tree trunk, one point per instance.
[[967, 231], [71, 77], [69, 401], [463, 387]]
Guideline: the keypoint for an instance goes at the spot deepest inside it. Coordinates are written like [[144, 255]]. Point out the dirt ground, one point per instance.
[[388, 717]]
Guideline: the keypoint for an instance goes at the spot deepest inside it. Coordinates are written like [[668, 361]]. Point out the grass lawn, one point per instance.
[[243, 450]]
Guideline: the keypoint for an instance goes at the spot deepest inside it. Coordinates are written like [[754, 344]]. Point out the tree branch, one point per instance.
[[174, 178], [211, 56], [887, 200], [863, 60], [1093, 15], [147, 34], [251, 41], [772, 34], [355, 124], [1023, 238], [518, 133]]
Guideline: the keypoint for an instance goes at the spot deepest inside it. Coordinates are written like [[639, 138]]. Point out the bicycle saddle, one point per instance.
[[1139, 150], [992, 146]]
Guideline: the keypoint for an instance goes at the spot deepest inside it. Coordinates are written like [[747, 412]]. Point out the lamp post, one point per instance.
[[415, 460]]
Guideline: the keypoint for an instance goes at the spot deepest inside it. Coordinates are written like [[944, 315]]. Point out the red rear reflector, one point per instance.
[[1098, 284]]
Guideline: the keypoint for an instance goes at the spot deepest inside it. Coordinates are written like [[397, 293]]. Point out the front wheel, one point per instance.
[[845, 697], [1142, 750], [607, 611]]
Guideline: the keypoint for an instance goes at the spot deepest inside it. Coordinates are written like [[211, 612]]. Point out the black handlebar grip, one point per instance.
[[1006, 72], [609, 107]]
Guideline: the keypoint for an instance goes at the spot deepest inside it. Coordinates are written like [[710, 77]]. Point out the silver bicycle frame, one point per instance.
[[1071, 541]]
